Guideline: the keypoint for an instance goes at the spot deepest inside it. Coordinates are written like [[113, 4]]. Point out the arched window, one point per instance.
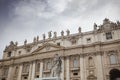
[[113, 59], [75, 63], [16, 73], [37, 67], [90, 62], [5, 71], [114, 74], [27, 66], [48, 65], [108, 35], [16, 70]]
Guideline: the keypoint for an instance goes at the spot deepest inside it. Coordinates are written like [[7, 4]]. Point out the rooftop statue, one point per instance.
[[118, 23], [106, 21], [25, 42], [37, 38], [95, 26], [11, 43], [79, 29], [68, 32], [62, 33], [49, 34], [44, 36], [34, 40], [55, 34], [16, 43]]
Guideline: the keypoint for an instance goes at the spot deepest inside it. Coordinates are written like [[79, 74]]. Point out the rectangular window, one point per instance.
[[113, 59], [48, 65], [37, 67], [37, 76], [19, 52], [58, 44], [75, 63], [25, 77], [73, 41], [108, 35], [26, 68], [88, 40], [75, 74], [5, 71], [9, 54]]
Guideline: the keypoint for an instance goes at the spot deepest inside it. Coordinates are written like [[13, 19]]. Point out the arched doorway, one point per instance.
[[114, 74], [3, 79]]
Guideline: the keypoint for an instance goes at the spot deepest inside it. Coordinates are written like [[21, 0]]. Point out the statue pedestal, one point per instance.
[[48, 78]]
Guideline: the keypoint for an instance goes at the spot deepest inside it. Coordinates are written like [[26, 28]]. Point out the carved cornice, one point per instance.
[[70, 38], [67, 48], [105, 27]]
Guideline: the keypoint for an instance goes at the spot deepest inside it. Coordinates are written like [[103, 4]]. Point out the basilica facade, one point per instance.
[[92, 55]]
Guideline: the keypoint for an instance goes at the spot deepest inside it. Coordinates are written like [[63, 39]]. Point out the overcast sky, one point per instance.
[[24, 19]]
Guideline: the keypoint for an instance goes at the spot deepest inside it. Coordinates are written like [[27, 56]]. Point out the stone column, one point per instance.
[[10, 73], [81, 68], [67, 69], [33, 71], [85, 67], [62, 73], [41, 69], [20, 71], [30, 71], [99, 67]]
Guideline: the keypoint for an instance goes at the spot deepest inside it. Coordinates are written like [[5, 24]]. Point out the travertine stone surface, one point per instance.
[[92, 51]]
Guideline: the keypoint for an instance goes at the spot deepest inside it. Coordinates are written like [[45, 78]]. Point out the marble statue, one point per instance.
[[79, 29], [44, 36], [34, 40], [16, 43], [62, 33], [49, 34], [56, 67], [95, 26], [25, 42], [118, 23], [68, 32], [37, 38], [106, 21], [11, 43], [55, 34]]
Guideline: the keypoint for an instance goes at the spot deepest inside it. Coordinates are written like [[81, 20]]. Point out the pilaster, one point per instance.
[[85, 67], [99, 67], [33, 71], [41, 69], [62, 73], [20, 71], [10, 72], [81, 68], [30, 72], [67, 69]]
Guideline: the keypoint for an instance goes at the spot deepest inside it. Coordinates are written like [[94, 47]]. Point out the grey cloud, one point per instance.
[[35, 17]]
